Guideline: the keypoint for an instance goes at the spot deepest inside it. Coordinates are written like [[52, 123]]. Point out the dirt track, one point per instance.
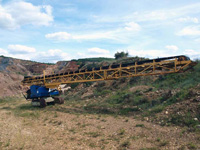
[[62, 127]]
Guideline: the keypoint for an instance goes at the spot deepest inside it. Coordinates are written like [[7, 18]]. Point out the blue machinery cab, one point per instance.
[[40, 94]]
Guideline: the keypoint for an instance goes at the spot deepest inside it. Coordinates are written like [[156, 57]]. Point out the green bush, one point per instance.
[[117, 98], [74, 85], [186, 120], [119, 55], [179, 96], [157, 109], [101, 92], [139, 125], [125, 111]]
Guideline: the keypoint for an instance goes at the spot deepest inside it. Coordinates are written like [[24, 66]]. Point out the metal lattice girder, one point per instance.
[[151, 68]]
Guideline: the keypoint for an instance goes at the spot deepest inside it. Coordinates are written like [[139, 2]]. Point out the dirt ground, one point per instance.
[[63, 127]]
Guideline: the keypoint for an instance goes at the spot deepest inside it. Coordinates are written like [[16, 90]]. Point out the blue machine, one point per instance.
[[41, 91], [39, 94]]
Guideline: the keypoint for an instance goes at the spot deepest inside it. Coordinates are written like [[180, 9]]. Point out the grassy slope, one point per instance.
[[156, 96]]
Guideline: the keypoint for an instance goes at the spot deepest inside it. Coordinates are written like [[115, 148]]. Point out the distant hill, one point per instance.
[[12, 71]]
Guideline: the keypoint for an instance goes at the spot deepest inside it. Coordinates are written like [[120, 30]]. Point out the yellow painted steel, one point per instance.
[[145, 69]]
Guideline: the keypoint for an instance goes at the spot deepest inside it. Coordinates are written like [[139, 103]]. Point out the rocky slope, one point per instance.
[[12, 71]]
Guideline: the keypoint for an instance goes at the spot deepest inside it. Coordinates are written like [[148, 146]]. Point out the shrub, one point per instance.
[[117, 98], [139, 125], [74, 85], [121, 55], [121, 131], [101, 92], [125, 111], [93, 134], [163, 143], [125, 144], [191, 146], [181, 95], [157, 109], [186, 120]]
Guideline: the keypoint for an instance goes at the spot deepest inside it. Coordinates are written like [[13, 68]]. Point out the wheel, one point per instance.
[[59, 100], [42, 103]]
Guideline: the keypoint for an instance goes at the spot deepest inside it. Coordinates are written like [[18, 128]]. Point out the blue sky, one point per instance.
[[54, 30]]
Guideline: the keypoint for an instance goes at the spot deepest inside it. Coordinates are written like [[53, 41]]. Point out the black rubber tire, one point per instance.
[[61, 100], [58, 100], [43, 103]]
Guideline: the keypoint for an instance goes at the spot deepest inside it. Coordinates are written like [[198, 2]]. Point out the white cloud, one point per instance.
[[20, 49], [172, 47], [152, 15], [191, 51], [3, 52], [166, 14], [84, 55], [64, 36], [94, 36], [155, 15], [29, 53], [189, 19], [16, 14], [6, 20], [97, 50], [193, 54], [132, 26], [52, 55], [94, 52], [190, 31], [21, 56], [119, 34], [59, 36], [149, 53]]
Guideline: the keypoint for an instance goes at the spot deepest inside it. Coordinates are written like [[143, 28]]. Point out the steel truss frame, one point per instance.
[[135, 70]]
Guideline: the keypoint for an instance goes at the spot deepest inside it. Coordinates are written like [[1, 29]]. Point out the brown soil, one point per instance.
[[12, 72], [63, 127]]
